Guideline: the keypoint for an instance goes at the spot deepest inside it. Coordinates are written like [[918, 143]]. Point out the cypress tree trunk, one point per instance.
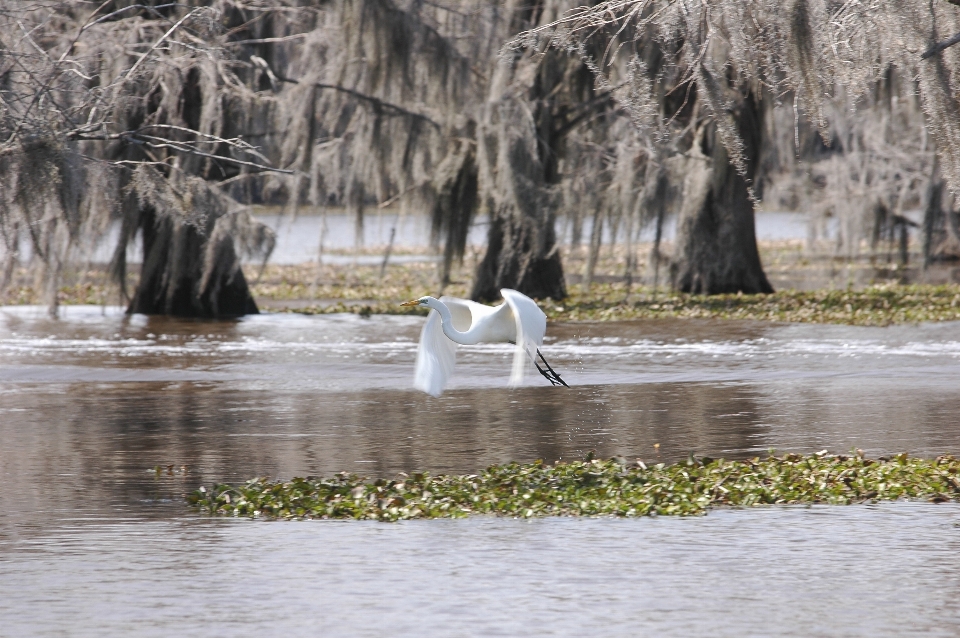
[[453, 212], [521, 243], [716, 239], [172, 280], [513, 262], [519, 145], [189, 268], [932, 212], [941, 224]]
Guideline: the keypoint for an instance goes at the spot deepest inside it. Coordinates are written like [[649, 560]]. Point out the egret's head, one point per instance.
[[422, 301]]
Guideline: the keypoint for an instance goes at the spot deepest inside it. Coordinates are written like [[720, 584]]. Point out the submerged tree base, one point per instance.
[[594, 488]]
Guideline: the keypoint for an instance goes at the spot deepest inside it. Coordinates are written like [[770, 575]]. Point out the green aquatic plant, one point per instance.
[[594, 487], [874, 306]]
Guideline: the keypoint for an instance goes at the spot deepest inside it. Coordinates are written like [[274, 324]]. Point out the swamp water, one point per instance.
[[298, 238], [93, 541]]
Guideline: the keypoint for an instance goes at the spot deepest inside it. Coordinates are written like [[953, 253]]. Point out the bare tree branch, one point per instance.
[[399, 110], [285, 38], [155, 142], [376, 102], [943, 44], [156, 44]]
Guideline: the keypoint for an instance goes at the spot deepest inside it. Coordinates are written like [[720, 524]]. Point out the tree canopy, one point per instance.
[[165, 117]]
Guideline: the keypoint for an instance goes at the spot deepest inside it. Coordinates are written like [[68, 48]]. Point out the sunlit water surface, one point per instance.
[[94, 542]]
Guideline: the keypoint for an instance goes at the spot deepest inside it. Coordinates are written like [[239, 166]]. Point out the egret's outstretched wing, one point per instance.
[[436, 356], [531, 327], [465, 312]]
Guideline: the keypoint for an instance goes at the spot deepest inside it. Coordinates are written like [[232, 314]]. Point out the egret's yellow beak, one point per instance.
[[415, 302]]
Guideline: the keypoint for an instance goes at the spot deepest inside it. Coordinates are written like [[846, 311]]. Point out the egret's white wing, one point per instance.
[[436, 356], [531, 327], [465, 312]]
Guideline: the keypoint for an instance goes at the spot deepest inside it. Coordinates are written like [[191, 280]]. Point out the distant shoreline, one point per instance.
[[811, 288], [875, 306]]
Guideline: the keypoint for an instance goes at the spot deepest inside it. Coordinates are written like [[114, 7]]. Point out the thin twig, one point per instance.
[[193, 151], [268, 40], [378, 102], [182, 147], [387, 202], [368, 98], [166, 35]]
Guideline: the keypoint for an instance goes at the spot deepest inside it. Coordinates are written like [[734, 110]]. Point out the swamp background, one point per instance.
[[165, 166], [155, 148]]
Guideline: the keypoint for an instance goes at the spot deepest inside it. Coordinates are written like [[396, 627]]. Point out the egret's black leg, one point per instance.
[[545, 374], [551, 375]]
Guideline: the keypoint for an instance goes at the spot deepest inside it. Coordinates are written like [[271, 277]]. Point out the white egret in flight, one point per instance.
[[455, 321]]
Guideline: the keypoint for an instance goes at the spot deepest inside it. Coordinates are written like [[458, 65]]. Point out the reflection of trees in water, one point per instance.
[[108, 441], [684, 418], [880, 415], [71, 448]]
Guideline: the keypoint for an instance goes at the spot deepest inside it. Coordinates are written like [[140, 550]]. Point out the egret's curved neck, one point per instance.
[[446, 322]]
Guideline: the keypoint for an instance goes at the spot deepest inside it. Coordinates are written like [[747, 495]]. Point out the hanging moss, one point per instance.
[[595, 488], [165, 117]]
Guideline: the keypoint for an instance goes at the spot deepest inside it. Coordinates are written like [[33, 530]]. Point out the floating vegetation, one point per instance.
[[874, 306], [361, 290], [595, 488]]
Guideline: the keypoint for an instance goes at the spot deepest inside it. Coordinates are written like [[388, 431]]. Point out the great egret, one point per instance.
[[455, 321]]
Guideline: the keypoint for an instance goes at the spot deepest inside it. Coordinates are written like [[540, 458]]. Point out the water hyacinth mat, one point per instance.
[[594, 487]]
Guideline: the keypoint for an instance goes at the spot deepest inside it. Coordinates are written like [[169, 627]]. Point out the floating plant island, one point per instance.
[[594, 487]]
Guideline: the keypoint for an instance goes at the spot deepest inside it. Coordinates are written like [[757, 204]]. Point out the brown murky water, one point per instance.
[[94, 542]]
